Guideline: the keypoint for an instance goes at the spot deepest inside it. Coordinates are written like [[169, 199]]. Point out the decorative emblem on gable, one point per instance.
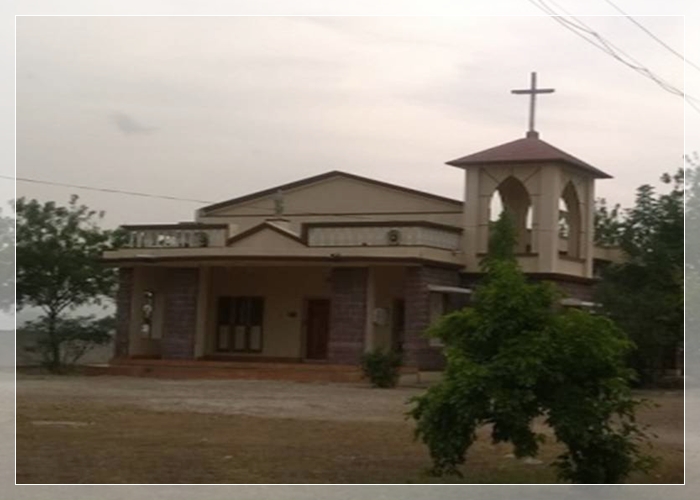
[[394, 237]]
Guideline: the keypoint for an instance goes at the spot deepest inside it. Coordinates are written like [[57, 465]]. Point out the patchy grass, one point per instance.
[[88, 441]]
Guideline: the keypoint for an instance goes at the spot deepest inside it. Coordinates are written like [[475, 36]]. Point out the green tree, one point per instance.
[[692, 247], [514, 356], [644, 294], [59, 269], [7, 262], [607, 224]]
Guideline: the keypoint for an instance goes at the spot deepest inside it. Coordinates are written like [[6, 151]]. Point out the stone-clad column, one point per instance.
[[125, 292], [348, 315], [417, 350], [180, 315], [470, 218], [203, 300], [546, 216]]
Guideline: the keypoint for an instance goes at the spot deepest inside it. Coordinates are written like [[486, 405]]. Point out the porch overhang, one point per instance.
[[413, 255]]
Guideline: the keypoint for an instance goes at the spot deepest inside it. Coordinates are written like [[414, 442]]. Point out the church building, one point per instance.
[[328, 267]]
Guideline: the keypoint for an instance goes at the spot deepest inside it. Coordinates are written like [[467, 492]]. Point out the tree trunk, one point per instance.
[[54, 343]]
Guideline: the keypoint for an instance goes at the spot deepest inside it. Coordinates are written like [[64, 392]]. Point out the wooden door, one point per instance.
[[398, 326], [318, 312], [239, 323]]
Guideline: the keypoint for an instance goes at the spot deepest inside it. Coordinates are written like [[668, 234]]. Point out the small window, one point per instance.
[[438, 307]]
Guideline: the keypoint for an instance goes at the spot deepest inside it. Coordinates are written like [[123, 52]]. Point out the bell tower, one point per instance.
[[549, 193]]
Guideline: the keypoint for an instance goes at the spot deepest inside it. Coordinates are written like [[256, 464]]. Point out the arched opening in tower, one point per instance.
[[570, 222], [512, 196]]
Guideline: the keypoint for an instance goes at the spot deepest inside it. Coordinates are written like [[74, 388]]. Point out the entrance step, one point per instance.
[[204, 369]]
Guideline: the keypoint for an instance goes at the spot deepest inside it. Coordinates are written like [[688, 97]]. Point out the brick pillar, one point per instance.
[[180, 316], [125, 291], [417, 350], [348, 315]]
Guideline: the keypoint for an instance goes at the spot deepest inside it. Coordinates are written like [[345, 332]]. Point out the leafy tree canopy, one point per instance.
[[7, 262], [644, 294], [58, 266], [607, 223], [58, 256], [692, 238], [514, 356], [692, 214]]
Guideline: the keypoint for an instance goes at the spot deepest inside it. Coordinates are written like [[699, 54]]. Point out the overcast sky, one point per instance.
[[212, 108]]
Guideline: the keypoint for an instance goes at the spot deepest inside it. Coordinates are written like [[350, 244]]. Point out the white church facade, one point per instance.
[[325, 268]]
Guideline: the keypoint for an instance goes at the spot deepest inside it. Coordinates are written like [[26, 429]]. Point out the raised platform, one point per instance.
[[208, 369]]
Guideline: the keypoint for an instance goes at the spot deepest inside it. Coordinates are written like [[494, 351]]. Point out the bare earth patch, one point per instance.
[[138, 430]]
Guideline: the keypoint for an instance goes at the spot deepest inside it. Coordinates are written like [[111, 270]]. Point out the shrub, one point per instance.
[[382, 367], [62, 342]]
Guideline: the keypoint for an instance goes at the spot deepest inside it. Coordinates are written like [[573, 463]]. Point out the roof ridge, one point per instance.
[[259, 227], [281, 228], [318, 178]]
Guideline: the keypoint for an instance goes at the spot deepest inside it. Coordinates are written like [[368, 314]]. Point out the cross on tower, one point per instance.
[[533, 91]]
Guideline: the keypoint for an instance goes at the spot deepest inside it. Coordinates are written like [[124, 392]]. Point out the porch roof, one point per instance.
[[310, 255]]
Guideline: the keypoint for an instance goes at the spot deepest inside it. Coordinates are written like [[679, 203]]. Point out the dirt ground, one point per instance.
[[77, 429]]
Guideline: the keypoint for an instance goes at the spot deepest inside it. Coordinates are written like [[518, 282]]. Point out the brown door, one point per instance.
[[398, 325], [317, 322]]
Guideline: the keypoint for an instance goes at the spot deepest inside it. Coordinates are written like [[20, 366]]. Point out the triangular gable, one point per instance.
[[336, 192], [265, 236]]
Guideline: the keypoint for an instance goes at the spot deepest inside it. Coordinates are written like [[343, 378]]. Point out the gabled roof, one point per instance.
[[526, 150], [318, 178], [261, 227]]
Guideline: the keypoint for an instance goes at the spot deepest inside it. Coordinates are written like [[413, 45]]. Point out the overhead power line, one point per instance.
[[582, 30], [105, 190], [271, 210], [122, 191], [652, 35]]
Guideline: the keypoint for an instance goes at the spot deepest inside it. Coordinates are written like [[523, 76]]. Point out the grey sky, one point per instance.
[[211, 108]]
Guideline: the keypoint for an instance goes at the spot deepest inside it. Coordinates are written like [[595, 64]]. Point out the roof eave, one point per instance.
[[461, 163]]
